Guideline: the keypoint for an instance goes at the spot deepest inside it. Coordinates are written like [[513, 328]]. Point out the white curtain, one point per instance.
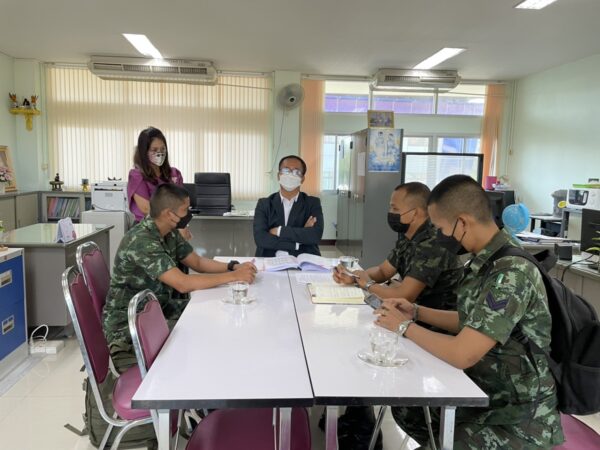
[[93, 127]]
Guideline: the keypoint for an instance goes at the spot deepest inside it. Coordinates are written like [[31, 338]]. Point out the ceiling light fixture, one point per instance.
[[438, 58], [143, 45], [534, 4]]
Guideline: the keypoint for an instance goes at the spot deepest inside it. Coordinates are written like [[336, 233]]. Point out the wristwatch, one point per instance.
[[369, 284], [404, 326], [231, 264]]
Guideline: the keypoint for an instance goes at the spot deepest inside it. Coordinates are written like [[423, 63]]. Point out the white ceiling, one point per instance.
[[349, 37]]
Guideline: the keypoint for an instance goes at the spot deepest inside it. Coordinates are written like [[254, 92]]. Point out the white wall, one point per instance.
[[556, 131], [7, 120]]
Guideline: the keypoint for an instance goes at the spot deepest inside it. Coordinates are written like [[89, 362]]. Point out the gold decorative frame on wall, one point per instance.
[[6, 161], [380, 119]]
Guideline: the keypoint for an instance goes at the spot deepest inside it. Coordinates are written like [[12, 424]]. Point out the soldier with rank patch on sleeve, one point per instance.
[[496, 300]]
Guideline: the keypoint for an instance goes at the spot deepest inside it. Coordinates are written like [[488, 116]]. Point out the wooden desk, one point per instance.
[[45, 261]]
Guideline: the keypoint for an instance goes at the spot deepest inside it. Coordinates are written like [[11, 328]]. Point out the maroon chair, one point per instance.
[[578, 436], [90, 262], [96, 357], [225, 429]]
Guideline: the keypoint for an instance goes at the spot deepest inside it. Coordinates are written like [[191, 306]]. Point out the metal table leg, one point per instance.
[[447, 415], [164, 432], [377, 427], [331, 437], [285, 428]]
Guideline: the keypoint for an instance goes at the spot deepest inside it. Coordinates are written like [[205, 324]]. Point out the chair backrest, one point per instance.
[[95, 273], [149, 329], [88, 329]]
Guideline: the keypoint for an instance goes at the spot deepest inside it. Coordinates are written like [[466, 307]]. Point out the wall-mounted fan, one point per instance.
[[290, 96]]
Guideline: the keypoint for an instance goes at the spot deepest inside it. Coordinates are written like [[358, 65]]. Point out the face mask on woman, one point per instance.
[[157, 158]]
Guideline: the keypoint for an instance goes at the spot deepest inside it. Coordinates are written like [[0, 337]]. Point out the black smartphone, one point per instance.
[[373, 301]]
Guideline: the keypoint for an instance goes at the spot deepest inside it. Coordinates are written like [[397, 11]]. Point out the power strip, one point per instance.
[[47, 347]]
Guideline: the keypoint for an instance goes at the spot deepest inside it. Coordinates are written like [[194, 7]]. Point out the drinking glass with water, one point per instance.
[[239, 292]]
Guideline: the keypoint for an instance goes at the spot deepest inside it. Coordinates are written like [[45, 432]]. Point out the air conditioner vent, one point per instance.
[[441, 80], [142, 69]]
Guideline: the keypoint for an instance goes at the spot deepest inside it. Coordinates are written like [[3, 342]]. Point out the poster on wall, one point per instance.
[[7, 171], [384, 150]]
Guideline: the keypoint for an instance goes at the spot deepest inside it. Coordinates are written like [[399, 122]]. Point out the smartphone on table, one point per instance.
[[373, 301]]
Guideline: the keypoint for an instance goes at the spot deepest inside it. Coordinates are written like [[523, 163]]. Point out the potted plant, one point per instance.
[[5, 178]]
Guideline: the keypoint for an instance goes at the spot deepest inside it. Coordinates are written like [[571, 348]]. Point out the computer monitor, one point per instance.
[[212, 193], [498, 201], [590, 229]]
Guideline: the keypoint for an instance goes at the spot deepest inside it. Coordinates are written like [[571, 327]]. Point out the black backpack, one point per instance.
[[574, 357]]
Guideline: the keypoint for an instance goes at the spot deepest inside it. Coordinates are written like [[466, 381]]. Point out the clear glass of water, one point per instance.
[[348, 262], [384, 345], [239, 292]]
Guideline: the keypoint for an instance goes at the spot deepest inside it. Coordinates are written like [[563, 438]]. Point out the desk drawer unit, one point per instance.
[[13, 329]]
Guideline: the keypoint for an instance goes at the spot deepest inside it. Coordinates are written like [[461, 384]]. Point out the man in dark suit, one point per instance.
[[288, 221]]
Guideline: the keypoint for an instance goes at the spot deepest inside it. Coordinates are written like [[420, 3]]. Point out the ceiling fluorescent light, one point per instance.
[[438, 58], [143, 45], [534, 4]]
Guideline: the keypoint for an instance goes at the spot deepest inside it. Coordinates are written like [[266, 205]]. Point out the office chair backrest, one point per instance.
[[149, 329], [213, 193], [96, 275], [191, 188], [88, 329]]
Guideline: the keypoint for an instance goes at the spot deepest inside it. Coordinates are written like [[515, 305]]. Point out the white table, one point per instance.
[[226, 356], [332, 336], [231, 356]]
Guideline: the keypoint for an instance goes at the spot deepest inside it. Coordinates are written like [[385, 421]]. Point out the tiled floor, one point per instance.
[[34, 411]]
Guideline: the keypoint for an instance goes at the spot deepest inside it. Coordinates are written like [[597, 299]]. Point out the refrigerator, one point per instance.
[[369, 166]]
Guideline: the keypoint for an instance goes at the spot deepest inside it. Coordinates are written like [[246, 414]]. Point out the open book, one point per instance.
[[305, 261], [336, 294]]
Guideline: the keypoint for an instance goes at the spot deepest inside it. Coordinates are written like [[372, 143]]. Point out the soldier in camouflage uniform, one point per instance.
[[429, 275], [494, 299], [147, 258]]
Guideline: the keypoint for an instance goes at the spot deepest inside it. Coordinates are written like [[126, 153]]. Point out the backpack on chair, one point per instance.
[[574, 357]]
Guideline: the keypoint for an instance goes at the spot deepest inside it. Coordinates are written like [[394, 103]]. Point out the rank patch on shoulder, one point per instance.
[[495, 305]]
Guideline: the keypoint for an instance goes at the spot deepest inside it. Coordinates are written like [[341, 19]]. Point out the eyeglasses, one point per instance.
[[155, 151], [286, 171]]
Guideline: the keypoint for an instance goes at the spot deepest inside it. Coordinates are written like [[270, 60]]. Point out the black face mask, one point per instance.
[[395, 224], [183, 221], [450, 243]]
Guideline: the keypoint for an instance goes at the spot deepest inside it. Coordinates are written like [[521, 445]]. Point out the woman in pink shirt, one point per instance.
[[152, 169]]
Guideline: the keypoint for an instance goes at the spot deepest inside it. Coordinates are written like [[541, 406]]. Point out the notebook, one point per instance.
[[331, 293], [305, 261]]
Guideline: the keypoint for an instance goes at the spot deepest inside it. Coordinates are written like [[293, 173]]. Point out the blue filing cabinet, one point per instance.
[[13, 323]]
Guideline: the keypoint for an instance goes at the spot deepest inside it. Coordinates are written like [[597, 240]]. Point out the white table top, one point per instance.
[[221, 355], [332, 336]]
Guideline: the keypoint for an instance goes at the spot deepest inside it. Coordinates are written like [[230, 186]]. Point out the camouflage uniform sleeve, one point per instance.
[[504, 299], [428, 262], [394, 256], [152, 258], [183, 247]]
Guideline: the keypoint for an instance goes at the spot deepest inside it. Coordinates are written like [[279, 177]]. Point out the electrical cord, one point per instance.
[[275, 160], [562, 277], [44, 338]]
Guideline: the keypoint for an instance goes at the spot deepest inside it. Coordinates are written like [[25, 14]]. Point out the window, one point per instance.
[[93, 126], [346, 97], [458, 144], [463, 100], [400, 103], [332, 146], [416, 144]]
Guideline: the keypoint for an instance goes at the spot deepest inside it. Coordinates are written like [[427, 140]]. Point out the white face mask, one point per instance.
[[158, 159], [290, 181]]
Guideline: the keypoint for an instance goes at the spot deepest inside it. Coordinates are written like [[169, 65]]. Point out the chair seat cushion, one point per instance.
[[243, 429], [578, 436], [124, 389]]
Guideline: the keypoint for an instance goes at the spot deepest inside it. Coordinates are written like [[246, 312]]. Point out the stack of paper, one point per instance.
[[336, 294]]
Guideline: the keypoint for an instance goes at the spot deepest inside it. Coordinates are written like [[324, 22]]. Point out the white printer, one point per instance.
[[579, 198], [109, 196]]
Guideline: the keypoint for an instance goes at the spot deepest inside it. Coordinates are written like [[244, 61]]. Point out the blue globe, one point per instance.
[[515, 218]]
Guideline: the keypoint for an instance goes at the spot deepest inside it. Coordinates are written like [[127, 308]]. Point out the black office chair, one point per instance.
[[212, 193]]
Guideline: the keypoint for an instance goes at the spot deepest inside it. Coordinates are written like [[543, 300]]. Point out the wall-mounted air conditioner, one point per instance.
[[148, 69], [442, 80]]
